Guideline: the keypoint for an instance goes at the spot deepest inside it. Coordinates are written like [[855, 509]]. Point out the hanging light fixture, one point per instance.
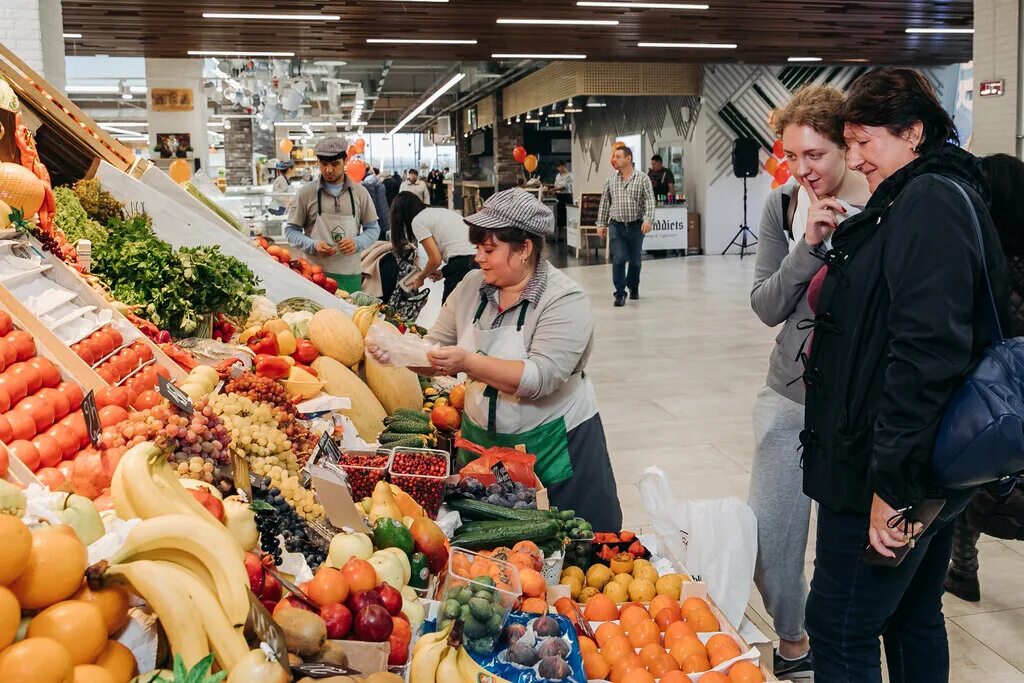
[[596, 102], [571, 108]]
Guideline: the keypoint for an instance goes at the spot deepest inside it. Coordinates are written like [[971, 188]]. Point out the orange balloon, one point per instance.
[[180, 171], [360, 145], [771, 165], [530, 163], [286, 145], [355, 169]]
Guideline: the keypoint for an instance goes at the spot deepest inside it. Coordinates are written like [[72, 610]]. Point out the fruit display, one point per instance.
[[312, 272], [479, 591], [422, 475], [364, 470], [441, 657], [607, 546], [485, 525], [626, 580], [408, 428], [515, 496], [543, 648]]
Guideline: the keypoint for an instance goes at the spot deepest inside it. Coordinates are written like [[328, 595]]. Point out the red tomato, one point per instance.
[[133, 390], [47, 370], [108, 373], [26, 452], [50, 452], [28, 374], [147, 399], [103, 343], [23, 426], [5, 401], [163, 372], [23, 344], [114, 335], [125, 364], [73, 393], [66, 437], [142, 348], [16, 388], [65, 467], [51, 477], [112, 415], [6, 433], [6, 324], [9, 352], [60, 403], [40, 410], [84, 351], [112, 396], [76, 423], [97, 349]]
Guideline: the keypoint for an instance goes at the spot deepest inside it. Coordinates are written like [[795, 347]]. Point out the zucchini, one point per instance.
[[479, 510], [494, 534]]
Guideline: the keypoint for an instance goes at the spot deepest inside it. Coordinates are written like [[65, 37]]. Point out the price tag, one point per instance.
[[502, 477], [327, 447], [264, 629], [323, 671], [178, 398], [293, 589], [92, 418]]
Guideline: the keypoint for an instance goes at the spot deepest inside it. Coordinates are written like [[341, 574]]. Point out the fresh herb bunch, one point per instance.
[[97, 202], [73, 220], [221, 283]]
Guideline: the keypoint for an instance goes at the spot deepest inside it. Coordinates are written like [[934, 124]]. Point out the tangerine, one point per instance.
[[667, 617], [624, 665], [687, 647], [533, 584], [595, 666], [691, 604], [703, 621], [675, 676], [606, 632], [638, 676], [745, 672], [695, 664], [660, 602], [600, 608], [662, 665], [632, 614], [587, 645], [617, 648], [649, 653], [535, 606], [676, 631], [714, 677], [643, 633]]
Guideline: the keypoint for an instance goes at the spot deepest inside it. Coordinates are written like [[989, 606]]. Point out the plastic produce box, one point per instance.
[[364, 469], [481, 591], [422, 473]]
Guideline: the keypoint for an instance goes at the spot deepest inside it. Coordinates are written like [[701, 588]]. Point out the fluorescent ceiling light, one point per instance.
[[940, 30], [419, 41], [596, 102], [556, 115], [561, 22], [427, 102], [127, 124], [804, 59], [271, 17], [72, 35], [693, 46], [527, 55], [532, 120], [221, 53], [92, 89], [640, 5]]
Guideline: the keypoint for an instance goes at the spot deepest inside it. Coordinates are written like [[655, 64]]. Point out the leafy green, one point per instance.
[[97, 202], [72, 219], [222, 283]]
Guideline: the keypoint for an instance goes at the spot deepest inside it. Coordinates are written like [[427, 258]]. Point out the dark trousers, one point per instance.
[[456, 269], [591, 491], [852, 603], [563, 199], [388, 276], [627, 246]]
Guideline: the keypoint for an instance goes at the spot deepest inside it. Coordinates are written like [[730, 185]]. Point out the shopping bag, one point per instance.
[[715, 539]]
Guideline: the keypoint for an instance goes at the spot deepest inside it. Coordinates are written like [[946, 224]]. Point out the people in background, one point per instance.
[[443, 234], [812, 137], [435, 181], [901, 317], [416, 186], [563, 191], [392, 186], [282, 186], [332, 220], [448, 175], [662, 179], [627, 209], [375, 186]]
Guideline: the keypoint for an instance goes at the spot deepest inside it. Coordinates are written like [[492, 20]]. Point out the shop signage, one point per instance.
[[172, 99], [991, 88], [669, 230]]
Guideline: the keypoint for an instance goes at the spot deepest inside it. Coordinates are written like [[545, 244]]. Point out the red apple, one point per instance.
[[291, 602], [338, 619], [390, 598], [261, 583], [269, 604], [373, 624], [446, 418], [357, 601], [210, 502], [399, 651]]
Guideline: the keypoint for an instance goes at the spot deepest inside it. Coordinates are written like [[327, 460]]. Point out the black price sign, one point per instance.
[[327, 447], [318, 671], [92, 418], [178, 398], [502, 477], [264, 629]]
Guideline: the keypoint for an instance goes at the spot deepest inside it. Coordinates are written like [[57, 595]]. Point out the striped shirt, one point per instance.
[[626, 201]]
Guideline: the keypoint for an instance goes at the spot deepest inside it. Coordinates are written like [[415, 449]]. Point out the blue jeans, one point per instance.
[[852, 604], [627, 246]]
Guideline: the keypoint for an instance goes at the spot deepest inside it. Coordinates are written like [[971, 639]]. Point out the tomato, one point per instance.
[[6, 324], [142, 348], [26, 452], [83, 351], [60, 403], [23, 344], [73, 393], [112, 415], [50, 452], [6, 433], [114, 335], [9, 352], [5, 401], [15, 387], [40, 410], [112, 396], [76, 423], [51, 477], [133, 390], [108, 373], [131, 355], [33, 380], [163, 372], [97, 347], [148, 399], [66, 437], [103, 343], [66, 467], [125, 364], [47, 370]]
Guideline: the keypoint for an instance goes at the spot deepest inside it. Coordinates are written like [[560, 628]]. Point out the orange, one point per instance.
[[687, 647], [533, 583], [745, 672], [660, 602], [600, 608], [695, 664], [691, 604], [676, 676], [644, 633], [617, 648], [535, 605], [595, 666], [703, 621], [638, 676], [632, 614], [651, 652], [667, 617], [663, 665], [676, 631], [723, 655], [624, 665], [714, 677], [587, 645], [606, 632]]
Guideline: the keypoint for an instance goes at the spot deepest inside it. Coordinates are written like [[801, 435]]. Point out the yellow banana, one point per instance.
[[142, 493], [448, 669], [175, 608], [471, 672], [226, 641], [167, 481], [183, 559], [122, 505], [432, 639], [425, 663]]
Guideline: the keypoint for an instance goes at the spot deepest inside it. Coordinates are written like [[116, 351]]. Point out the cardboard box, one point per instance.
[[694, 243]]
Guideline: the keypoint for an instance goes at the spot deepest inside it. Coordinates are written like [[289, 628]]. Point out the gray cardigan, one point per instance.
[[779, 295]]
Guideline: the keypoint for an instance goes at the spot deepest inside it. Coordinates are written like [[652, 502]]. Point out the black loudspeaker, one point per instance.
[[745, 163]]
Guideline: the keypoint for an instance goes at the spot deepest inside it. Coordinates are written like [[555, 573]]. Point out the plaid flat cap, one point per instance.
[[516, 209], [330, 149]]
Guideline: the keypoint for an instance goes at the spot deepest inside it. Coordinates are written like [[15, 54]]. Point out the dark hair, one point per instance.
[[446, 168], [896, 98], [627, 151], [376, 171], [403, 210], [413, 170], [657, 157], [516, 237]]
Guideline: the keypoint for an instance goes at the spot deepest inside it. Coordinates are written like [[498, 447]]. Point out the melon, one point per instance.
[[366, 413], [394, 387], [21, 189], [336, 336]]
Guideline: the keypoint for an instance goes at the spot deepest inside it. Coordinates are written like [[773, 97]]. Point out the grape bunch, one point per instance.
[[283, 521], [261, 390], [302, 439]]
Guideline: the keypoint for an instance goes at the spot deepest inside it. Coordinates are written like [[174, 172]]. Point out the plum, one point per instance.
[[523, 655], [512, 633], [546, 627], [555, 647], [554, 669]]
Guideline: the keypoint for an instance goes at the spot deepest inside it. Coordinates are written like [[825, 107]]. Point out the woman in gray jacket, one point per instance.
[[796, 224]]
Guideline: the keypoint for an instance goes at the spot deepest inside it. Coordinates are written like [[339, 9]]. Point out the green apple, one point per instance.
[[346, 546], [80, 514]]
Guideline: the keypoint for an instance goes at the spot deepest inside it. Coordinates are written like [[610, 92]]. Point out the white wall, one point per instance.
[[32, 29], [995, 57], [179, 73]]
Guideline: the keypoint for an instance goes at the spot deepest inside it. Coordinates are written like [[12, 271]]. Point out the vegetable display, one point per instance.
[[72, 218]]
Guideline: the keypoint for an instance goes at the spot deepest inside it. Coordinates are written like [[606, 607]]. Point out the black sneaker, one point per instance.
[[794, 669], [620, 300], [964, 587], [634, 295]]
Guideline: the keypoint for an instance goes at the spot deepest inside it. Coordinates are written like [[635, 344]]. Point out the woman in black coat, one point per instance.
[[900, 322]]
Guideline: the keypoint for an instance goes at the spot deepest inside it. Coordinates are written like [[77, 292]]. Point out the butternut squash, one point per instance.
[[394, 387], [366, 413], [336, 336]]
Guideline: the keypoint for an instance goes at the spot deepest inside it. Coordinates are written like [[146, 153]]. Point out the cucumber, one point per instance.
[[410, 427], [410, 441], [387, 437], [411, 414], [496, 534], [478, 510]]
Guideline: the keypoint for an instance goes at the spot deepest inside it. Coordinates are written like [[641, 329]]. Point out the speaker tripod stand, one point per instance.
[[740, 239]]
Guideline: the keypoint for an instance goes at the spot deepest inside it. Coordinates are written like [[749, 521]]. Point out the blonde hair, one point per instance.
[[814, 106]]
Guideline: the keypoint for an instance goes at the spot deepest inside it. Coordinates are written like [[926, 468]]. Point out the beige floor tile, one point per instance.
[[1000, 572], [1000, 631], [971, 661]]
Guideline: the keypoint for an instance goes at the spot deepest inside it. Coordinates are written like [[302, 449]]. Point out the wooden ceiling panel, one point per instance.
[[766, 32]]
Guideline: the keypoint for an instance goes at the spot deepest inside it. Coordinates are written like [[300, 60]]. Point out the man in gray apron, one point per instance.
[[333, 220]]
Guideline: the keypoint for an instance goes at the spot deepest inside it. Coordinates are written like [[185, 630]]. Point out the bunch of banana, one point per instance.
[[144, 485], [440, 658], [364, 317]]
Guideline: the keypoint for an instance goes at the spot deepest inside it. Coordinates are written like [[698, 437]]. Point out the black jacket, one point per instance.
[[900, 322]]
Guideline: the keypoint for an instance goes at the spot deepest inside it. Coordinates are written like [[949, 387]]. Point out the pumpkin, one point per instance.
[[21, 189], [336, 336], [394, 387], [366, 413]]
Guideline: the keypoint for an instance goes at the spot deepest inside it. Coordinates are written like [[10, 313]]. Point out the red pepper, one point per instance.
[[305, 352], [274, 367], [265, 342]]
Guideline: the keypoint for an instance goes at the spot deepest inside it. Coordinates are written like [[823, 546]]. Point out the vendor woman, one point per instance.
[[333, 220], [522, 331]]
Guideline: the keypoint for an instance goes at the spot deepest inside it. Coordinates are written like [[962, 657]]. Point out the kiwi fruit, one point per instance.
[[333, 653], [304, 632]]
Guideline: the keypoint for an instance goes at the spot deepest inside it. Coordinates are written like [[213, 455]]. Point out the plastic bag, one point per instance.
[[715, 539], [519, 464], [404, 350]]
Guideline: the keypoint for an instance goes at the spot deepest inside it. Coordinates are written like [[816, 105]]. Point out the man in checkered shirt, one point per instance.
[[627, 208]]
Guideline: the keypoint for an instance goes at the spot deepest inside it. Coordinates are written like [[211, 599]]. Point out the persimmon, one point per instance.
[[606, 632]]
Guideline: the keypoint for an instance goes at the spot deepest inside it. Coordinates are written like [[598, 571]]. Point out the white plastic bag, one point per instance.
[[715, 539], [405, 350]]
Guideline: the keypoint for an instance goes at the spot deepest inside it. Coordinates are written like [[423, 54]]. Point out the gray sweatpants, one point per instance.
[[783, 511]]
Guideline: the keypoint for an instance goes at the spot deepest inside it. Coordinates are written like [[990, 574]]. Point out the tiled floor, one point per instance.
[[676, 375]]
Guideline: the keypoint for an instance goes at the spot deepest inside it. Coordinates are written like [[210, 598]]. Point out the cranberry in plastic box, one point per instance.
[[421, 473], [364, 469]]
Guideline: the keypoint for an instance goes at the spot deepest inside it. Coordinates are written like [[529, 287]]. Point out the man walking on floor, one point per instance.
[[627, 209]]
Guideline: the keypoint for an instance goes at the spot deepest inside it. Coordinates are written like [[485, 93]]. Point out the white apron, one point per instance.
[[332, 228]]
